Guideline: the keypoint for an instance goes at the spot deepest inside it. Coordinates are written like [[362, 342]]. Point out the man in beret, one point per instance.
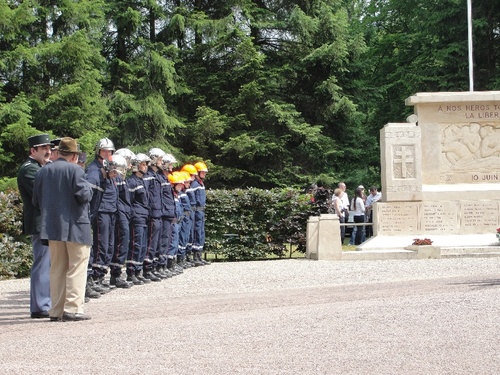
[[39, 146], [63, 195]]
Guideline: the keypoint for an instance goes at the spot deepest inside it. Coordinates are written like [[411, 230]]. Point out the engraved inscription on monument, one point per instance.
[[479, 216], [398, 218], [440, 217], [404, 161]]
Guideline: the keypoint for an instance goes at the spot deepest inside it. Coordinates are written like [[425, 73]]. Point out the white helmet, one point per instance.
[[167, 161], [139, 158], [104, 144], [119, 164], [155, 154], [126, 153]]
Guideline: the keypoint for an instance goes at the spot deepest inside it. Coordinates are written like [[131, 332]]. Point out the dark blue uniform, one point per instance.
[[198, 189], [122, 227], [153, 186], [167, 218], [103, 208], [138, 224]]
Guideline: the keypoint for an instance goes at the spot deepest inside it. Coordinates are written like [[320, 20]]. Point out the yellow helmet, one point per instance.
[[201, 167], [187, 176], [176, 178], [189, 168]]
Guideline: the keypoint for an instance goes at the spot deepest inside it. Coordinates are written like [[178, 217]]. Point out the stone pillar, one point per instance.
[[401, 159], [312, 238], [329, 244]]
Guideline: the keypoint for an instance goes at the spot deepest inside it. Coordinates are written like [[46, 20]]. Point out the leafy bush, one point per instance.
[[15, 248], [253, 223]]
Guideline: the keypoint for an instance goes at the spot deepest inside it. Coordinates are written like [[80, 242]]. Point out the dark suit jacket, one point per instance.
[[25, 181], [63, 194]]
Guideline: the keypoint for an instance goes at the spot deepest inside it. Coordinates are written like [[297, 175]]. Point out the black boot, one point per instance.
[[131, 278], [171, 267], [139, 276], [181, 261], [89, 292], [177, 266], [196, 259], [151, 276], [189, 259], [119, 282], [200, 258], [161, 273]]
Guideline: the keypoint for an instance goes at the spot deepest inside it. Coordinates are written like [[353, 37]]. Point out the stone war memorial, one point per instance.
[[440, 174]]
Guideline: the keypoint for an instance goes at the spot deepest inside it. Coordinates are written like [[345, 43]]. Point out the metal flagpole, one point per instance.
[[471, 67]]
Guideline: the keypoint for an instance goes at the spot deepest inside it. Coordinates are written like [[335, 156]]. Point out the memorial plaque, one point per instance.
[[440, 217], [479, 216], [396, 218]]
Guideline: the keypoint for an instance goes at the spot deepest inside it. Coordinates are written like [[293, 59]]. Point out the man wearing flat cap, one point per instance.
[[39, 146], [63, 195]]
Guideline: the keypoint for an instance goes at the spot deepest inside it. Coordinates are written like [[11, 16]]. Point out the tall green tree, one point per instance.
[[52, 69]]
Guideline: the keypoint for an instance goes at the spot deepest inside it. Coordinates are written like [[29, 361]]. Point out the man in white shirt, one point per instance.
[[373, 197]]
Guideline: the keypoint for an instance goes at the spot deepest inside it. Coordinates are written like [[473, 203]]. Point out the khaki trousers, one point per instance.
[[68, 276]]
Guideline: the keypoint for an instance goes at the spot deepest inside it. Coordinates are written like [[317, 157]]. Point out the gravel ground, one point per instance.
[[275, 317]]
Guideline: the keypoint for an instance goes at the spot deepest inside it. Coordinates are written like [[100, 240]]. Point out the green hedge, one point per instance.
[[241, 225], [254, 224], [15, 248]]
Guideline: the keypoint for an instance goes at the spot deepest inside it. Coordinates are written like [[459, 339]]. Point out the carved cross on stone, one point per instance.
[[403, 162]]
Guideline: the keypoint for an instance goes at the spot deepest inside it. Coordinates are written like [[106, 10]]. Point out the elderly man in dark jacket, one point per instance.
[[40, 152], [63, 194]]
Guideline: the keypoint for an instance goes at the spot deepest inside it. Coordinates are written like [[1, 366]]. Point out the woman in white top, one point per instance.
[[358, 206]]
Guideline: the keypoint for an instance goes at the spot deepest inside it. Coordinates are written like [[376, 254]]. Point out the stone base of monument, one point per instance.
[[425, 251], [448, 246]]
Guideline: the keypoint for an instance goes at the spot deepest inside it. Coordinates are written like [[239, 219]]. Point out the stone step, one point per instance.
[[471, 255], [379, 254]]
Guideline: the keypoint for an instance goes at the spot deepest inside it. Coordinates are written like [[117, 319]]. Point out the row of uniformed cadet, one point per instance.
[[149, 224]]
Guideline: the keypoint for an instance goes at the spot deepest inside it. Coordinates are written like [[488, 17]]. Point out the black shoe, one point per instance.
[[141, 277], [134, 280], [151, 276], [91, 293], [55, 319], [40, 314], [106, 284], [119, 282], [69, 317], [87, 299]]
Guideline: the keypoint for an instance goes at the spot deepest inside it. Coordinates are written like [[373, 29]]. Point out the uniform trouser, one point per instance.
[[173, 248], [122, 239], [154, 231], [40, 276], [185, 229], [137, 245], [68, 276], [199, 230], [165, 239], [104, 243]]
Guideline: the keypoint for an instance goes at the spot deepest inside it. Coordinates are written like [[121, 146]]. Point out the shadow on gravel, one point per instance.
[[481, 283], [15, 308]]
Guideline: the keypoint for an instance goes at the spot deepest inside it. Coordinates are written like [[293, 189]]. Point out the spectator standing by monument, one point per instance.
[[39, 282], [358, 206], [338, 205], [62, 194], [373, 197]]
